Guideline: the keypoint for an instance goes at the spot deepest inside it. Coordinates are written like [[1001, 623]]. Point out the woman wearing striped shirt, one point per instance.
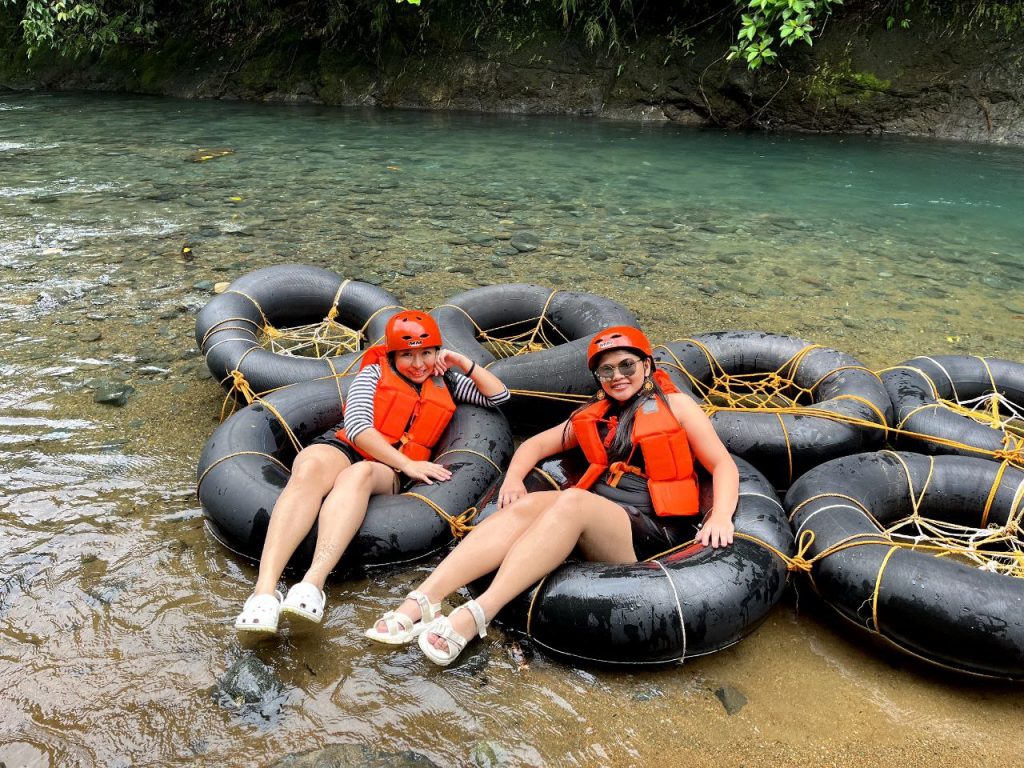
[[396, 409]]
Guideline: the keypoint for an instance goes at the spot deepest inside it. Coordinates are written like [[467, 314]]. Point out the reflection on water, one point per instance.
[[115, 605]]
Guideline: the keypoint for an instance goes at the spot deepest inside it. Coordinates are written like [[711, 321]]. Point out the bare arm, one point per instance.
[[485, 381], [374, 443], [527, 456], [711, 452]]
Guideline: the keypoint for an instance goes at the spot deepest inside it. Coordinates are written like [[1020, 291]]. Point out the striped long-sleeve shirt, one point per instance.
[[359, 403]]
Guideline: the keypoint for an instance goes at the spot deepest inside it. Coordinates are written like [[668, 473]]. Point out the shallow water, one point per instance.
[[116, 605]]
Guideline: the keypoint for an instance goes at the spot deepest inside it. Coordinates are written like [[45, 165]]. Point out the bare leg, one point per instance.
[[481, 552], [343, 511], [313, 473], [600, 527]]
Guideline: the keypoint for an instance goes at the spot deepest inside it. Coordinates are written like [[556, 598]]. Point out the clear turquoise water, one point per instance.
[[115, 606]]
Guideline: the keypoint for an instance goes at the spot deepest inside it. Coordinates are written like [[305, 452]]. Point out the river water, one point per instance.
[[116, 605]]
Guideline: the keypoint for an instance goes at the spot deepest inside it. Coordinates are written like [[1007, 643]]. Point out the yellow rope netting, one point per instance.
[[323, 340], [327, 338], [505, 345]]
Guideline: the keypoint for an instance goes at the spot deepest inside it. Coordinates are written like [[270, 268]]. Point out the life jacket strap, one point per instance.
[[619, 468]]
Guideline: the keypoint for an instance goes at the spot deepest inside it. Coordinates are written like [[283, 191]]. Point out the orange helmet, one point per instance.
[[411, 330], [619, 336]]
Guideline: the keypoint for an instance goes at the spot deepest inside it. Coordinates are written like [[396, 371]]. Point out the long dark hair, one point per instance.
[[623, 441]]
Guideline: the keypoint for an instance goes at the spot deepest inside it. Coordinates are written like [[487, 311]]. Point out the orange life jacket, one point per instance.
[[411, 421], [668, 461]]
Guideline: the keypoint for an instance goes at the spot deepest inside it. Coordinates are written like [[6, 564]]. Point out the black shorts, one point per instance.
[[652, 534], [330, 437]]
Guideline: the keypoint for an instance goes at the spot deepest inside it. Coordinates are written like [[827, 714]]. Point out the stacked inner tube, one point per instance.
[[918, 387], [229, 328], [245, 465], [935, 608], [782, 443], [541, 378], [691, 602]]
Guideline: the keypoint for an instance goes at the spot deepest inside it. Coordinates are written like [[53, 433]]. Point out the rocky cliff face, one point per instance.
[[860, 77]]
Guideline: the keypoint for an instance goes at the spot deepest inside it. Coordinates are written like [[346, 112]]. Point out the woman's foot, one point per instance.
[[405, 624], [260, 614], [444, 639], [305, 601]]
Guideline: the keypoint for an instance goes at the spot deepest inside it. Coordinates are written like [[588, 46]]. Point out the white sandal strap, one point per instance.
[[427, 611], [443, 628], [396, 622], [478, 617]]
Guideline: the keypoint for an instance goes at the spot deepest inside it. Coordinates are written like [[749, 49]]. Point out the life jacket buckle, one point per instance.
[[618, 468]]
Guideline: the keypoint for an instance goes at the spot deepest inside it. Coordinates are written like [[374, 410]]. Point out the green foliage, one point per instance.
[[792, 20], [75, 27], [765, 27], [840, 83]]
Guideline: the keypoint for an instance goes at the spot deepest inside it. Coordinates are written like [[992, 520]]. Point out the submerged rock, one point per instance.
[[354, 756], [250, 681], [732, 699], [488, 754], [112, 393]]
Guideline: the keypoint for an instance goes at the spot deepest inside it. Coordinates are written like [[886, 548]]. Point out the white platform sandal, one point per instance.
[[442, 627], [399, 628], [260, 614]]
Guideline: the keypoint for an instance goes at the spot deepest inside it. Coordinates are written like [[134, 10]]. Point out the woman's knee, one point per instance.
[[571, 500], [359, 475], [313, 466]]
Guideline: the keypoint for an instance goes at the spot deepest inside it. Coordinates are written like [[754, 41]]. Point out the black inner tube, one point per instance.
[[939, 609], [845, 396], [229, 329]]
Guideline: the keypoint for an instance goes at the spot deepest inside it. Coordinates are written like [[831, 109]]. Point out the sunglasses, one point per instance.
[[607, 372]]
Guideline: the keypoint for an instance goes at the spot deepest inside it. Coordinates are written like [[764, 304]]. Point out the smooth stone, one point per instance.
[[599, 254], [250, 681], [732, 699], [107, 593], [649, 695], [221, 286], [726, 258], [92, 336], [464, 269], [458, 240], [203, 285], [525, 241], [179, 388], [505, 250], [113, 393], [353, 756], [499, 262], [489, 754], [634, 270]]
